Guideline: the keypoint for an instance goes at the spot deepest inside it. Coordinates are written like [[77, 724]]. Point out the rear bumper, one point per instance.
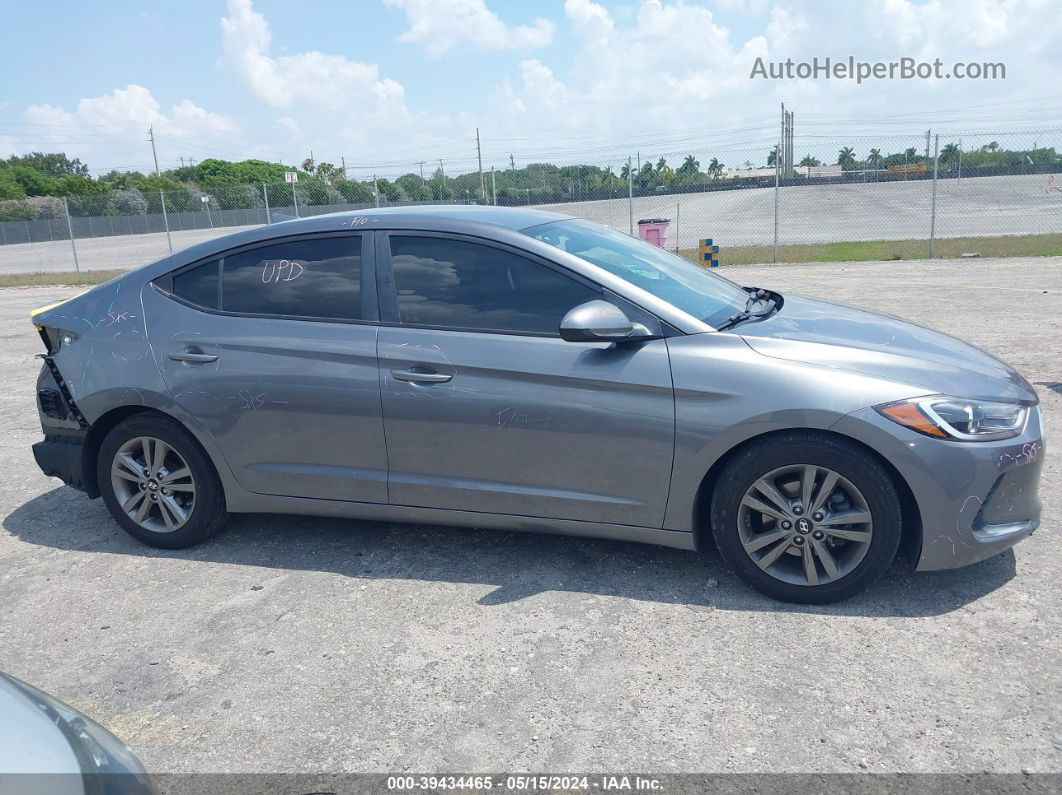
[[62, 457]]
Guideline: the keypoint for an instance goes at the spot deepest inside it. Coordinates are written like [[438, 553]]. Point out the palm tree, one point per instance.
[[690, 164], [949, 154], [810, 161], [772, 156], [846, 157], [874, 159], [715, 168]]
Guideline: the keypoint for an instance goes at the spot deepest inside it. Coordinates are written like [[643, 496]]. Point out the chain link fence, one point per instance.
[[884, 197]]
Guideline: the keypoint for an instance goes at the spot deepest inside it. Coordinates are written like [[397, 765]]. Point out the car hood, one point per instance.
[[843, 337]]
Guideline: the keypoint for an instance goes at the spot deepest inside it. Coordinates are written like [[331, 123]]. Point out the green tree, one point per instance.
[[772, 156], [329, 173], [413, 187], [846, 158], [810, 161], [10, 188], [949, 154], [77, 185], [874, 159], [354, 192], [33, 182], [55, 164]]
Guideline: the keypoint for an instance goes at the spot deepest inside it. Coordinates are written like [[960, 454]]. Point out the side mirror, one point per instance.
[[600, 321]]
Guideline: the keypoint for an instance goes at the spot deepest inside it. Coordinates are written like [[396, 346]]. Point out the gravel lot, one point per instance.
[[294, 644]]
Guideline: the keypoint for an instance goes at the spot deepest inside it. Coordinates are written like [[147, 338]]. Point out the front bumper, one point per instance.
[[975, 499]]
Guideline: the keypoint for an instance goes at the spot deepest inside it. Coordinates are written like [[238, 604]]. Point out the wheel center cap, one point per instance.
[[803, 526], [153, 486]]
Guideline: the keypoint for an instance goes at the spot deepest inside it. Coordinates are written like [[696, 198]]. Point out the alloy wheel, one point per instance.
[[805, 524], [153, 484]]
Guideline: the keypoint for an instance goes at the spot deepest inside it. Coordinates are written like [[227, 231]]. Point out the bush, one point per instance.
[[126, 202]]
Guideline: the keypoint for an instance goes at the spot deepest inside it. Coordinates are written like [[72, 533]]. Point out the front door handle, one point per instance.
[[421, 376], [193, 356]]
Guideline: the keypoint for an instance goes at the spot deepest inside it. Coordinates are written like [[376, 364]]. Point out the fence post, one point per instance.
[[678, 212], [70, 229], [630, 198], [933, 202], [295, 199], [265, 195], [376, 190], [777, 170], [166, 221]]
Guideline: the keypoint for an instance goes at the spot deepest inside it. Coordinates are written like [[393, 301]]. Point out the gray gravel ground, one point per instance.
[[295, 644]]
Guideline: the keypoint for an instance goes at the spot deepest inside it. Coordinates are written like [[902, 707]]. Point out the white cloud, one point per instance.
[[440, 25], [106, 129], [656, 76], [675, 67], [309, 78]]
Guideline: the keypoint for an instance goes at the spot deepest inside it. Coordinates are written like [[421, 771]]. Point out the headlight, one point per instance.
[[944, 417]]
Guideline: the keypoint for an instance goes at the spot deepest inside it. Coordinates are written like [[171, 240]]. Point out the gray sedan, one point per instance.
[[523, 370], [46, 746]]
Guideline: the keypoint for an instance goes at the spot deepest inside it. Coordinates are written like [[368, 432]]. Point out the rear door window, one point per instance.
[[308, 278]]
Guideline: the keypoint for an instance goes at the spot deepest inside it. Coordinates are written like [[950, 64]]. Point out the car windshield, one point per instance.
[[683, 284]]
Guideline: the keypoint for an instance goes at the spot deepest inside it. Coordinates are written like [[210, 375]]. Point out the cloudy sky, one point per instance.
[[387, 83]]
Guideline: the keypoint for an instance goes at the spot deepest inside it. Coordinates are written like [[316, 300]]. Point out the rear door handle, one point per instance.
[[192, 356], [421, 376]]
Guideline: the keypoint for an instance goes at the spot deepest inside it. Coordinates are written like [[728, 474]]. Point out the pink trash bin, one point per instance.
[[654, 230]]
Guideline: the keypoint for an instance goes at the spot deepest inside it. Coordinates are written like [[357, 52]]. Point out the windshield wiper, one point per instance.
[[770, 304]]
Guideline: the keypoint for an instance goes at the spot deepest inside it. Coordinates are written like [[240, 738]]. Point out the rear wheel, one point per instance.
[[159, 484], [807, 518]]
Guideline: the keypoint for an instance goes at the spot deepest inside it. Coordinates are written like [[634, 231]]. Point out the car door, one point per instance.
[[272, 349], [487, 409]]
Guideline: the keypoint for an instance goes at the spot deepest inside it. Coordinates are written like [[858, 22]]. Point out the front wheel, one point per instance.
[[159, 484], [806, 518]]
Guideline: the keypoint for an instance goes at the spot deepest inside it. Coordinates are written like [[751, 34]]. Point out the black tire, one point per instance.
[[207, 515], [807, 448]]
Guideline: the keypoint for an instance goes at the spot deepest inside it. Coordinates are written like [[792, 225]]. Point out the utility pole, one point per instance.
[[154, 154], [343, 163], [479, 157], [376, 190], [927, 147], [777, 172], [182, 161], [933, 202], [639, 156], [630, 197], [493, 186], [512, 162], [421, 164]]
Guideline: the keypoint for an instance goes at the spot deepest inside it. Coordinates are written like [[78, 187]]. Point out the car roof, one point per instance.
[[427, 217], [510, 217]]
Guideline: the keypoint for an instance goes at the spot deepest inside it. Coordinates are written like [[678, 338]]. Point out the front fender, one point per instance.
[[727, 394]]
